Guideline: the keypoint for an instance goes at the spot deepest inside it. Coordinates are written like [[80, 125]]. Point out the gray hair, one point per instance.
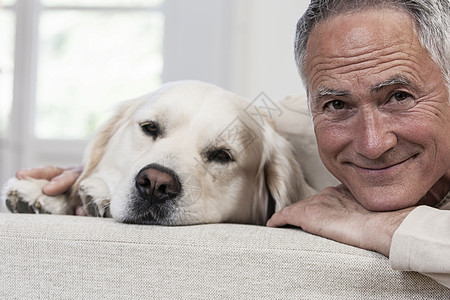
[[432, 19]]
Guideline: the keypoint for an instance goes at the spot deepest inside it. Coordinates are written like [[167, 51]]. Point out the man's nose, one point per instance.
[[374, 135]]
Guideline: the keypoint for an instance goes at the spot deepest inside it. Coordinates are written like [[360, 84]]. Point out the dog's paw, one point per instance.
[[20, 196], [25, 196], [16, 204], [95, 196]]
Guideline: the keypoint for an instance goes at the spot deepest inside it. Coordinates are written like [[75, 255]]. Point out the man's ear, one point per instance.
[[283, 174]]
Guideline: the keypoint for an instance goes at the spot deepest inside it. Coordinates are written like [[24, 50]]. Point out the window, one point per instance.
[[7, 32], [91, 57], [63, 63], [91, 53]]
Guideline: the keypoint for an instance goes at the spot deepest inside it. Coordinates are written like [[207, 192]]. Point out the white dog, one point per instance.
[[186, 153]]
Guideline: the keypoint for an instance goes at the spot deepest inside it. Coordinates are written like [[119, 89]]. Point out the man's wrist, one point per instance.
[[380, 229]]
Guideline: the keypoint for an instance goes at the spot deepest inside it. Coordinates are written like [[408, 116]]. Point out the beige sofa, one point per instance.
[[68, 257]]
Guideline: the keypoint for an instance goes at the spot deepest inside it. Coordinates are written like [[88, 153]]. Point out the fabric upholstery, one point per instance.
[[68, 257]]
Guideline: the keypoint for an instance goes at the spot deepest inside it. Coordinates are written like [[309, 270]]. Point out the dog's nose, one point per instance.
[[157, 183]]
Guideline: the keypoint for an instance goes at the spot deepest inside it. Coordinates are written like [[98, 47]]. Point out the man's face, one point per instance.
[[380, 107]]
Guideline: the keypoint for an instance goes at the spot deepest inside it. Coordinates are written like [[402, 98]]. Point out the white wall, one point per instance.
[[264, 34], [197, 40], [245, 46]]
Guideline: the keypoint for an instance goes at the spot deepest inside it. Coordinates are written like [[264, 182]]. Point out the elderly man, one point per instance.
[[377, 74], [378, 80]]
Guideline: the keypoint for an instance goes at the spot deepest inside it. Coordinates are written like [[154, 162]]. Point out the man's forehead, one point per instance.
[[358, 39], [360, 46], [346, 33]]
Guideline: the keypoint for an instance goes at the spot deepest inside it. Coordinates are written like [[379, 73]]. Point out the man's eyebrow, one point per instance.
[[396, 80], [324, 92]]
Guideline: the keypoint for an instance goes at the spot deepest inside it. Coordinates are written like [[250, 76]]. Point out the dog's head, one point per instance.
[[191, 153]]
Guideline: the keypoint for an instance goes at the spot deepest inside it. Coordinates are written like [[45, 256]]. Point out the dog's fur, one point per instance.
[[187, 153]]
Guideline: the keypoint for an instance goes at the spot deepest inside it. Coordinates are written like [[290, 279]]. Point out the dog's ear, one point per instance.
[[98, 144], [283, 175]]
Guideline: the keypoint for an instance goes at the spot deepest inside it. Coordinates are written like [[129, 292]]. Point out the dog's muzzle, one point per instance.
[[157, 184], [154, 197]]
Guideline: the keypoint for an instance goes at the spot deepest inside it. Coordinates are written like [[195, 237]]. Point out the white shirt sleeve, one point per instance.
[[422, 244]]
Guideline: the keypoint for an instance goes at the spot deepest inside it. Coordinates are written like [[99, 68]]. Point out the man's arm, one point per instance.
[[335, 214], [422, 244], [416, 238]]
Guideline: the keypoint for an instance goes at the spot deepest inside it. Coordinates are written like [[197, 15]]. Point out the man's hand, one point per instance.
[[335, 214], [60, 179]]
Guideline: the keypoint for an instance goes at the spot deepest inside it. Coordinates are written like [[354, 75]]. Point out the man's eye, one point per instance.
[[150, 128], [400, 96], [335, 105]]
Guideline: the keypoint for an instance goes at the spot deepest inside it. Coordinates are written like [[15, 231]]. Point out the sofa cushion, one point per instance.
[[68, 257]]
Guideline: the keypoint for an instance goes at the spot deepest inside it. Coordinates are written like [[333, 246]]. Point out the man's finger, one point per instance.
[[62, 183], [47, 172], [275, 221], [280, 218]]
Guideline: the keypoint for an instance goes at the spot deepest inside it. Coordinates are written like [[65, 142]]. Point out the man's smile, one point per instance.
[[378, 172], [382, 167]]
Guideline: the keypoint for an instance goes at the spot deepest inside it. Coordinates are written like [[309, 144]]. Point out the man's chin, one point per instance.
[[384, 198]]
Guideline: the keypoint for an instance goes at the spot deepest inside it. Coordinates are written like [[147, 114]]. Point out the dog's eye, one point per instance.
[[150, 128], [221, 156]]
